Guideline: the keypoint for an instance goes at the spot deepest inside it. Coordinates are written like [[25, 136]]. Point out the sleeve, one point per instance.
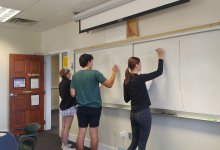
[[70, 97], [155, 74], [73, 83], [127, 97], [60, 92], [100, 77]]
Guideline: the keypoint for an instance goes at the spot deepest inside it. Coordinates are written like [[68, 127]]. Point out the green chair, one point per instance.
[[26, 143], [28, 140], [32, 128]]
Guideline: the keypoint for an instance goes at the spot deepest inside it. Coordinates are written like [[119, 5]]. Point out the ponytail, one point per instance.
[[132, 62], [127, 76]]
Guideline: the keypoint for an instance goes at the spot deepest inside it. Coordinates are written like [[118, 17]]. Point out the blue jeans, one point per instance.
[[141, 126]]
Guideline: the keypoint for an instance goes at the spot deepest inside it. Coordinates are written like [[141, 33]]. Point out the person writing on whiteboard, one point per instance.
[[85, 85], [135, 91], [67, 107]]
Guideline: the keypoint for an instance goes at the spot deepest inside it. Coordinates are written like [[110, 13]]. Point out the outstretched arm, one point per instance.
[[159, 71], [109, 82]]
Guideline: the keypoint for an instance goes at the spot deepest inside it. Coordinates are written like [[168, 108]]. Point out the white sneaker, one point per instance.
[[68, 145], [68, 148]]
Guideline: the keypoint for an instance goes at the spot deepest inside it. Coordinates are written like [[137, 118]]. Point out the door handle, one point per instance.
[[26, 92], [12, 94]]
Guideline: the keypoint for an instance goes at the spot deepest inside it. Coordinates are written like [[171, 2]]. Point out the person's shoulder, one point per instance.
[[139, 76], [62, 82], [136, 78], [92, 71], [77, 73], [96, 71], [66, 81]]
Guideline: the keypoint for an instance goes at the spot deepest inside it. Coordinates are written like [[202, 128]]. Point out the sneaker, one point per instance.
[[68, 148], [68, 145]]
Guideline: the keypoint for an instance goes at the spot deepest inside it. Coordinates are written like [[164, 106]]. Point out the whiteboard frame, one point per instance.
[[188, 31]]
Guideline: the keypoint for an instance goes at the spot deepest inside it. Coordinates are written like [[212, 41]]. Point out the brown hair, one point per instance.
[[132, 62], [63, 73]]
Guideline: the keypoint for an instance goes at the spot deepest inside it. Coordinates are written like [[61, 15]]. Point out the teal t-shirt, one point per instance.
[[86, 85]]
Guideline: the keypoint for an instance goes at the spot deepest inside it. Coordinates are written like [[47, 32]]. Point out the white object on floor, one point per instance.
[[68, 145]]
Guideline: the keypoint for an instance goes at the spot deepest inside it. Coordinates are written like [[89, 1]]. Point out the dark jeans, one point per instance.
[[141, 126]]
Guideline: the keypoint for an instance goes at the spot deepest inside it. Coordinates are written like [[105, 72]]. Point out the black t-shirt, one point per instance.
[[67, 100], [136, 90]]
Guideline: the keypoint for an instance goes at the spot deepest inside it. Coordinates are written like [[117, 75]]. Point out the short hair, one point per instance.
[[63, 73], [84, 59]]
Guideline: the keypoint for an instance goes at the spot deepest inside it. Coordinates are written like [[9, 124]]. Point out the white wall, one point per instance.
[[168, 133], [54, 82], [190, 14], [13, 41]]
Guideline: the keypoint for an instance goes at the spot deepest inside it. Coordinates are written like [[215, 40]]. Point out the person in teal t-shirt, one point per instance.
[[85, 86]]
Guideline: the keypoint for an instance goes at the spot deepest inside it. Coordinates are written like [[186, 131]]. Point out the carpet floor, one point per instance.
[[50, 140]]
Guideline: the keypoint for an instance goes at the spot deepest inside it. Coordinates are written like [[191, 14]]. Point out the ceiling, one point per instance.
[[47, 13]]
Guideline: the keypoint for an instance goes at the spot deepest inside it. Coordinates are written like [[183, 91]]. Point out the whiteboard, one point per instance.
[[165, 90], [200, 72], [190, 82], [103, 61]]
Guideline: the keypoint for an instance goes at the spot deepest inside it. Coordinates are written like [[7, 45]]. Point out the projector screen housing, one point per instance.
[[124, 12]]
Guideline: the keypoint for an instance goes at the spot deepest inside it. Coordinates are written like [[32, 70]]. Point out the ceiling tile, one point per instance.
[[59, 18], [89, 4], [39, 11], [48, 13], [41, 26], [65, 4], [18, 4]]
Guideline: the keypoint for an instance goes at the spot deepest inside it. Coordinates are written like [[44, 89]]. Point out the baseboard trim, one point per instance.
[[72, 137]]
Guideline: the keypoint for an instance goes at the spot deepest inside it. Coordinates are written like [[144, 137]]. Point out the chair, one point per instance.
[[8, 141], [32, 129], [26, 143], [28, 140]]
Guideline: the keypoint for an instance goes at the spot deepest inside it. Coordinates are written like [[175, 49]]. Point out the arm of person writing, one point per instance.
[[109, 82], [159, 71]]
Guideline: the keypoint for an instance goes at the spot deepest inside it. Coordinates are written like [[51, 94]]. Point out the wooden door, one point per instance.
[[26, 90]]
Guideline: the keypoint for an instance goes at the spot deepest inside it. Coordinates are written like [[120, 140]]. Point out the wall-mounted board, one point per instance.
[[191, 77], [103, 61], [165, 90], [200, 72]]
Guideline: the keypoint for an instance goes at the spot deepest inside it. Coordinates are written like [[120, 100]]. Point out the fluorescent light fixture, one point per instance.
[[7, 13], [99, 9]]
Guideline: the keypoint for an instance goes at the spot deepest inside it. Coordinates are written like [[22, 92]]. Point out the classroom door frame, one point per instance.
[[47, 83]]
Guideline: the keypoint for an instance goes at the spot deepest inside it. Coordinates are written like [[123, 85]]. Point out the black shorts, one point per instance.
[[88, 116]]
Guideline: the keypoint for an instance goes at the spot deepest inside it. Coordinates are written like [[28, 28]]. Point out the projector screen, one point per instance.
[[126, 11]]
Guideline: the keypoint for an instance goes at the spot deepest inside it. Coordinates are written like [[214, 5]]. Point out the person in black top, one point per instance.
[[67, 106], [135, 91]]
